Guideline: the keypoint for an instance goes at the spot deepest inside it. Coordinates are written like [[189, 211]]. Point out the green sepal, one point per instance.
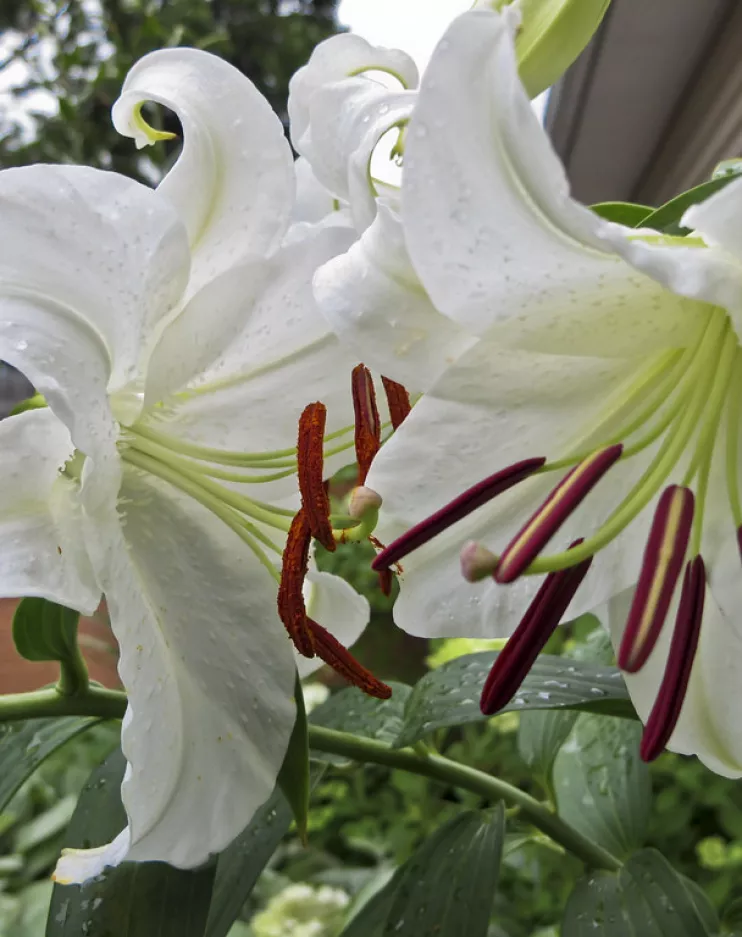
[[43, 630], [293, 778]]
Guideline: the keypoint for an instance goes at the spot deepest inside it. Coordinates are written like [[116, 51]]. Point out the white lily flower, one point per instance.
[[607, 353], [176, 345]]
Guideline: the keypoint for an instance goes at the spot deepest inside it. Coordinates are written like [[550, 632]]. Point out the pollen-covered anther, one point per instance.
[[541, 527], [342, 661], [536, 627], [398, 400], [310, 467], [663, 562], [295, 564], [669, 703], [477, 562], [367, 422], [455, 510]]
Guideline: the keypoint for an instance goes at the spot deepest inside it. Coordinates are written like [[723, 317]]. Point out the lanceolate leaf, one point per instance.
[[449, 696], [133, 899], [25, 745], [541, 734], [647, 898], [293, 778], [354, 712], [625, 213], [241, 863], [602, 786], [446, 888], [667, 217]]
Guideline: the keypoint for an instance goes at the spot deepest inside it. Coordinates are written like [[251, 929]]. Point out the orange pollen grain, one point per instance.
[[295, 563], [398, 400], [368, 425], [310, 461]]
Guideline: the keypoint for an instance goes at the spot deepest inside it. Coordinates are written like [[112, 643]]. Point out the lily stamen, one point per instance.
[[398, 400], [314, 498], [669, 702], [527, 641], [663, 562], [342, 661], [294, 568], [368, 424]]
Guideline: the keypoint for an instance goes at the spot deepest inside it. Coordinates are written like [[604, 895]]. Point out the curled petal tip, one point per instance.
[[477, 562]]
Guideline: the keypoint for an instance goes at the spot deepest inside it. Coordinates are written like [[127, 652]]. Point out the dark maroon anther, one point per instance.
[[536, 627], [455, 510], [666, 710], [664, 555], [568, 494]]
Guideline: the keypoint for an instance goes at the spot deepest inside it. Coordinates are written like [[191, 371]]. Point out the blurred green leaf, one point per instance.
[[647, 898], [541, 734], [446, 888], [352, 711], [602, 786], [293, 778], [449, 696], [625, 213], [667, 217], [25, 745], [132, 899]]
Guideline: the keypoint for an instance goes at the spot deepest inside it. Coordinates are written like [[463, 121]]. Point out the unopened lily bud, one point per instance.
[[363, 500], [551, 35], [477, 562]]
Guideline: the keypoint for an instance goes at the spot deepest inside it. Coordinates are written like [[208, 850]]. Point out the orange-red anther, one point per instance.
[[342, 661], [398, 400], [310, 461], [368, 425], [295, 563]]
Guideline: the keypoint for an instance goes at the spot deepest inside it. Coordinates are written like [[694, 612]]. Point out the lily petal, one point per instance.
[[491, 229], [208, 670], [313, 201], [331, 61], [492, 408], [337, 606], [91, 267], [373, 300], [279, 356], [41, 552], [233, 184], [717, 219]]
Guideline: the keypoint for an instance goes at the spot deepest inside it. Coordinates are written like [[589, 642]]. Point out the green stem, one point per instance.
[[443, 769], [96, 701], [73, 674], [111, 704]]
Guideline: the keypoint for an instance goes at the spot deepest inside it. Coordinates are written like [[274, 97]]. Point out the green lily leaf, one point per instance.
[[647, 897], [449, 696], [625, 213], [667, 217], [293, 778], [43, 630], [25, 745], [541, 734], [132, 899], [602, 786], [446, 888]]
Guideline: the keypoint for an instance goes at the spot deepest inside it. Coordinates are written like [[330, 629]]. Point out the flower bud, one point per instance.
[[551, 35], [477, 562]]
